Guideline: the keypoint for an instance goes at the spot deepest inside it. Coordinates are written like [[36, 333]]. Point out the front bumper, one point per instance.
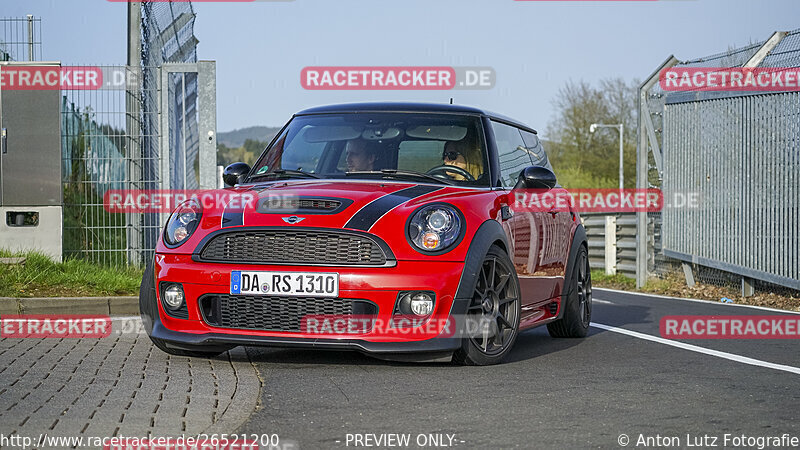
[[380, 286], [191, 341]]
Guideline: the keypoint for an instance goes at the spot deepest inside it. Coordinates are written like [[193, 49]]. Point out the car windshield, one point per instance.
[[433, 148]]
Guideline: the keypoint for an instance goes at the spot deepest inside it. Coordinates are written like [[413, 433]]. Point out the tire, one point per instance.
[[148, 309], [493, 315], [577, 302]]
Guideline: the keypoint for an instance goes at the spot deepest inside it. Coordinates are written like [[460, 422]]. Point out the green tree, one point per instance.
[[247, 153], [591, 160]]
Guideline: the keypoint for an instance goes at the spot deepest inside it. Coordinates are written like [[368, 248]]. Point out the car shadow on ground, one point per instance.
[[621, 315], [304, 356], [530, 344], [537, 342]]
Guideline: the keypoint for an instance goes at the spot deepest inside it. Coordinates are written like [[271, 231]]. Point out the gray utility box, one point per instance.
[[30, 165]]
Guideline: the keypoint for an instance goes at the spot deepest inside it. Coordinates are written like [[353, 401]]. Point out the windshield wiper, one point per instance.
[[394, 173], [289, 172]]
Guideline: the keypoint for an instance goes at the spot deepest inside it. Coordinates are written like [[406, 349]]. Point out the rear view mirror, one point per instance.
[[330, 133], [537, 177], [235, 173]]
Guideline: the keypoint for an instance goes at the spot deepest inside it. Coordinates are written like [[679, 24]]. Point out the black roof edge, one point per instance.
[[410, 107]]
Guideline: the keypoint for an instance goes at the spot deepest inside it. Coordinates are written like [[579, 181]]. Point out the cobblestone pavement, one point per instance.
[[120, 386]]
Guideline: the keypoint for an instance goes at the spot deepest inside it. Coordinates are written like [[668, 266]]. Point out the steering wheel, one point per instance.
[[443, 169]]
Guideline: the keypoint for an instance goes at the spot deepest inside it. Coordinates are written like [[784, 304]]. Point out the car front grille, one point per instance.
[[293, 247], [267, 313]]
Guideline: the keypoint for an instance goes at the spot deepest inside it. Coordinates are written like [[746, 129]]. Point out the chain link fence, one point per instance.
[[112, 139], [167, 37], [98, 154], [21, 38], [139, 130], [740, 151]]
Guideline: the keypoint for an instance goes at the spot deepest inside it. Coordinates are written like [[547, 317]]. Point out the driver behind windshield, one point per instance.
[[464, 155], [360, 155]]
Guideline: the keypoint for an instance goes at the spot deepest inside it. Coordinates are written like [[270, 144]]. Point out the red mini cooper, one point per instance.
[[388, 228]]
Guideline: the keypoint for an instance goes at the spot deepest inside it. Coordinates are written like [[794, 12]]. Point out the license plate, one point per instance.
[[294, 284]]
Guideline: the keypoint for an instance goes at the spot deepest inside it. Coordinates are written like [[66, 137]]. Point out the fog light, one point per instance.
[[421, 304], [173, 296]]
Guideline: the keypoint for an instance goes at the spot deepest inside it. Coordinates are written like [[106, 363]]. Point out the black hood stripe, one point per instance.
[[232, 219], [366, 217], [232, 216]]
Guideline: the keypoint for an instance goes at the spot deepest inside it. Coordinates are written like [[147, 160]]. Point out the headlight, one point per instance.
[[434, 228], [183, 222]]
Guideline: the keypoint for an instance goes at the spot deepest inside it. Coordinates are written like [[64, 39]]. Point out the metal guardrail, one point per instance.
[[615, 234]]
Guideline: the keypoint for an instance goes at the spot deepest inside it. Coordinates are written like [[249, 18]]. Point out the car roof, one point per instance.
[[409, 107]]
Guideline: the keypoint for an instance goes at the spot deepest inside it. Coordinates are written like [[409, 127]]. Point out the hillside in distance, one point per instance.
[[236, 138]]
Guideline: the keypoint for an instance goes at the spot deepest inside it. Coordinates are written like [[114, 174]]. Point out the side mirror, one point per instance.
[[235, 173], [537, 177]]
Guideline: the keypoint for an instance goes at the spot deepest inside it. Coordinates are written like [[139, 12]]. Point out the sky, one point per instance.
[[534, 47]]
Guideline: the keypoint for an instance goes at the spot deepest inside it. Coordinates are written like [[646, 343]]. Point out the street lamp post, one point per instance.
[[620, 127]]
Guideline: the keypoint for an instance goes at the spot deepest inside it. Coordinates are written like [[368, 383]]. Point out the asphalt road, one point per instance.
[[552, 393]]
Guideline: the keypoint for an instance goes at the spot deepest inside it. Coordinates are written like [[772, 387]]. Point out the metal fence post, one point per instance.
[[207, 123], [642, 169], [611, 245], [165, 181], [31, 55], [688, 274], [133, 152], [748, 290]]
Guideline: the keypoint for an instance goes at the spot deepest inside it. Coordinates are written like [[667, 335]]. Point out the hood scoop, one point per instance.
[[290, 204]]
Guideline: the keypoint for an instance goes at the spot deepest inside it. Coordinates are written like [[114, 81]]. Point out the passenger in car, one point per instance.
[[465, 155]]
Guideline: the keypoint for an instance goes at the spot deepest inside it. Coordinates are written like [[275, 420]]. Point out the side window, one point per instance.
[[535, 150], [511, 152]]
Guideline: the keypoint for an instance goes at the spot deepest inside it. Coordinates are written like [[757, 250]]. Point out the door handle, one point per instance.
[[4, 140]]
